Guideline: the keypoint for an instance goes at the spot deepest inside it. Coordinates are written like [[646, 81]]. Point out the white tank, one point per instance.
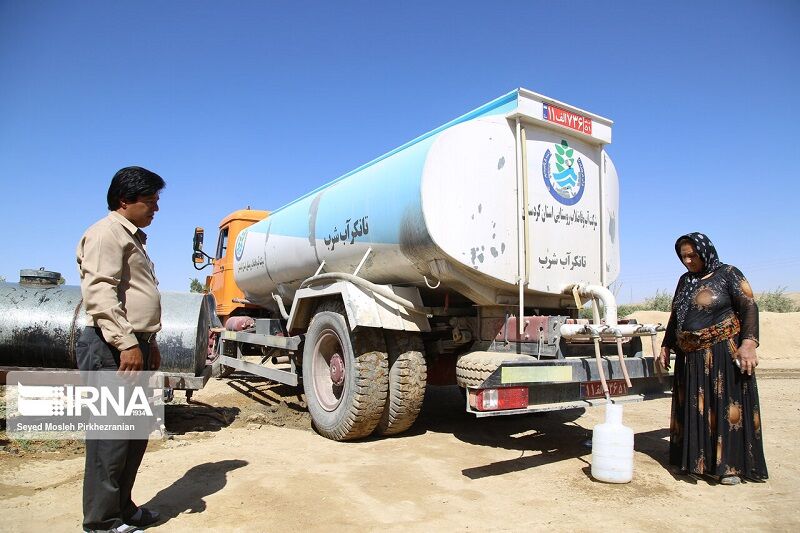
[[447, 206]]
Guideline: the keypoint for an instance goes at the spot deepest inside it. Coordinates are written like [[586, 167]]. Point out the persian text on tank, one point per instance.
[[252, 264], [578, 217], [567, 260], [360, 227]]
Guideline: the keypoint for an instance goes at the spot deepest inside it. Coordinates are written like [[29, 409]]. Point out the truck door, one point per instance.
[[222, 265]]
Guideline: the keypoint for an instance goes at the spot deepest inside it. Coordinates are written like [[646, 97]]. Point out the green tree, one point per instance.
[[196, 286]]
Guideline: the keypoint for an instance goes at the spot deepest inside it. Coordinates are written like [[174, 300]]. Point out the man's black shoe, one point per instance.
[[143, 517]]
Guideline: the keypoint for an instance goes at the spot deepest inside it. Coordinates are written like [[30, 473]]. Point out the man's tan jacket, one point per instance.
[[118, 281]]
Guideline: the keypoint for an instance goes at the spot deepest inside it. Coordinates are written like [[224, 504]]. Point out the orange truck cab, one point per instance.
[[221, 283]]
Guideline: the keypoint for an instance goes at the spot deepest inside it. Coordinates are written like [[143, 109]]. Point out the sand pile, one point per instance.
[[780, 337]]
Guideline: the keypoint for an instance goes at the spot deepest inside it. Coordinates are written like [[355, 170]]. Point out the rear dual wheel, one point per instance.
[[363, 381], [407, 379], [345, 376]]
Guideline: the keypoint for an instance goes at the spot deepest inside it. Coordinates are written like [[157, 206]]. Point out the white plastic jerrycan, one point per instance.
[[612, 448]]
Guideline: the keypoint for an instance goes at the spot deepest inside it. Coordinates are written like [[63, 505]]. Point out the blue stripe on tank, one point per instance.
[[380, 195], [383, 189], [503, 104]]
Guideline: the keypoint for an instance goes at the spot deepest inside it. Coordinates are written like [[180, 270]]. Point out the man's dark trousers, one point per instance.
[[111, 465]]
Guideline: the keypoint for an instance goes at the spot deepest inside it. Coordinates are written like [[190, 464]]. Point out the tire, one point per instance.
[[473, 369], [408, 376], [352, 408]]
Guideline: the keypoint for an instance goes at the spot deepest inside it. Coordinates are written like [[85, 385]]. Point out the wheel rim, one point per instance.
[[329, 370]]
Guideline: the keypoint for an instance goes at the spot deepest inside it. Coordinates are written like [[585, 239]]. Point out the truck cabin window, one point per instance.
[[222, 244]]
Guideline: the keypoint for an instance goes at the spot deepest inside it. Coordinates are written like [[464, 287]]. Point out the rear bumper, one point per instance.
[[561, 384]]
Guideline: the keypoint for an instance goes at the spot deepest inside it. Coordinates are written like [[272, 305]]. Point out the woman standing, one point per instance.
[[713, 329]]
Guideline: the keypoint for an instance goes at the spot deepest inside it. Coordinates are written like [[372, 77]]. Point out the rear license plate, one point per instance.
[[594, 389]]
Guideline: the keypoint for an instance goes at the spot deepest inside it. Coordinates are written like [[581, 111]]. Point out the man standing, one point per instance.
[[123, 307]]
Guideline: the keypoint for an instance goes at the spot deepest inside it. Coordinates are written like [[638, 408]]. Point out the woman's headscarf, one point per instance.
[[708, 254], [705, 249]]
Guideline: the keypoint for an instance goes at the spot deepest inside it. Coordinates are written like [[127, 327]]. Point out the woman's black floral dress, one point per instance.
[[716, 421]]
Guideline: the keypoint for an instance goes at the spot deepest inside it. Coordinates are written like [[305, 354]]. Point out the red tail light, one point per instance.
[[501, 399]]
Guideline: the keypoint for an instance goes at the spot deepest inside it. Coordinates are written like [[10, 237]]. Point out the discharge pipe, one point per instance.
[[601, 293], [597, 292]]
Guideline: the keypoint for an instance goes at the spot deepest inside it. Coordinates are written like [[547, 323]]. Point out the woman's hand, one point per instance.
[[746, 354], [663, 358]]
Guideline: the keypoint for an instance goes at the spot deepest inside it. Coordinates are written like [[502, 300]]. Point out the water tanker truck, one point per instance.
[[462, 256]]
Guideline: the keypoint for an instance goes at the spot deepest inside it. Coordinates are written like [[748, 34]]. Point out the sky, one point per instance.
[[255, 103]]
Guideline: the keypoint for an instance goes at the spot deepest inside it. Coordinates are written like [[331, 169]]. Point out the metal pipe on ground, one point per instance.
[[40, 325]]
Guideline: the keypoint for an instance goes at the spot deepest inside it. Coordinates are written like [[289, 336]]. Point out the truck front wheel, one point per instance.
[[345, 377]]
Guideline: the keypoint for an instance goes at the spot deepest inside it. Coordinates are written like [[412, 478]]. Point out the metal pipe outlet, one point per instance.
[[604, 295]]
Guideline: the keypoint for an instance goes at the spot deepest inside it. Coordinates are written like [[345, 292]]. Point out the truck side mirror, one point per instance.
[[198, 239], [197, 246]]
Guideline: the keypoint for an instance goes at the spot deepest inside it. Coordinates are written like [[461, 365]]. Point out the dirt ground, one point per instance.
[[246, 459]]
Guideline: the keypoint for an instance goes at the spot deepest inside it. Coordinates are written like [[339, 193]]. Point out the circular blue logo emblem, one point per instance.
[[239, 250], [560, 176]]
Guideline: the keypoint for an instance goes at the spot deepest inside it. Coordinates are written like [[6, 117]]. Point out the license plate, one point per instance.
[[594, 389]]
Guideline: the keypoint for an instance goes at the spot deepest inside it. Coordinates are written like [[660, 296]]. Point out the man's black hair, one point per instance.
[[130, 183]]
